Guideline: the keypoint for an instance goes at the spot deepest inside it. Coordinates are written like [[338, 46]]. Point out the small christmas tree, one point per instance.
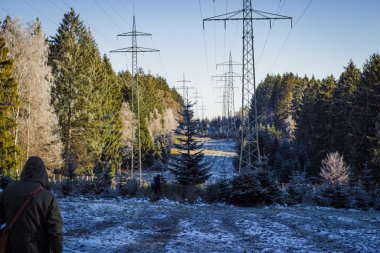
[[188, 167]]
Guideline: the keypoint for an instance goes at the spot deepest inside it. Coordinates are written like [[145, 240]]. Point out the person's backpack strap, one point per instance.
[[23, 206]]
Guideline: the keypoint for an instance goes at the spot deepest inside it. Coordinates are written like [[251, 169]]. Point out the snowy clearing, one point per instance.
[[133, 225], [218, 154]]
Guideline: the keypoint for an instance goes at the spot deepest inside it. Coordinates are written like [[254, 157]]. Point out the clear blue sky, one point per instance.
[[325, 38]]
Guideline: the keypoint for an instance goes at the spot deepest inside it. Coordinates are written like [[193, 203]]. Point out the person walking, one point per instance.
[[39, 227]]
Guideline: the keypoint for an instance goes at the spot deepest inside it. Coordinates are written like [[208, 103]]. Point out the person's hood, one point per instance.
[[35, 170]]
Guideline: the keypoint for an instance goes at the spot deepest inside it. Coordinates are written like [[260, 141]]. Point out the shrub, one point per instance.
[[245, 190], [67, 187], [332, 195], [128, 187], [173, 191], [192, 194], [257, 187], [93, 187], [181, 193], [376, 201], [218, 192], [340, 197], [360, 198], [298, 191]]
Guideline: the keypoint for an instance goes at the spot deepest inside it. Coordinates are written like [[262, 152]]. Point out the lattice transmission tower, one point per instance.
[[229, 88], [185, 89], [196, 96], [136, 161], [249, 133]]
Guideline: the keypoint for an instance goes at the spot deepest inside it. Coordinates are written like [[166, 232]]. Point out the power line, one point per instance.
[[278, 11], [65, 4], [57, 6], [204, 39], [288, 36], [121, 4], [214, 35], [87, 24], [117, 13], [307, 7], [42, 14], [6, 11], [105, 13], [161, 60], [224, 44]]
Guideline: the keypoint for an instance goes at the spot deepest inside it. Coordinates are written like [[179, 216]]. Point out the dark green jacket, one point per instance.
[[39, 228]]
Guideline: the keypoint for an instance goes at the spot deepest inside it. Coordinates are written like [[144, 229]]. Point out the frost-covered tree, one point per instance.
[[70, 64], [87, 99], [334, 170], [36, 122], [188, 166], [9, 100]]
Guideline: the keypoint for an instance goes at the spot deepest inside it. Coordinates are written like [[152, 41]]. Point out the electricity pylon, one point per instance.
[[135, 90], [229, 87], [185, 89], [203, 109], [196, 97], [249, 133]]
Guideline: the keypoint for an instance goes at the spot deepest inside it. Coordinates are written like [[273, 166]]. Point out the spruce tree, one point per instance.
[[68, 97], [82, 96], [341, 124], [9, 101], [254, 187], [188, 166], [306, 120], [366, 118], [108, 123]]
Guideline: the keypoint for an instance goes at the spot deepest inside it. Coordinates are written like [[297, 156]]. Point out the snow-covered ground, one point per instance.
[[133, 225], [219, 155]]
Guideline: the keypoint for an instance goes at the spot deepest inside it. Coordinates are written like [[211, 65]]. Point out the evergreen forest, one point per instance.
[[62, 100]]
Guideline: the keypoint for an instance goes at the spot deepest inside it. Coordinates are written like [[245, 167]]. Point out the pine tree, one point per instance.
[[188, 167], [341, 112], [251, 188], [108, 123], [366, 118], [367, 179], [67, 93], [306, 119], [77, 96], [313, 131], [245, 190], [9, 101]]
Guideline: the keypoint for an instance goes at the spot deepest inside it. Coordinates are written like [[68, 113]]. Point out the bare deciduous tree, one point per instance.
[[36, 130], [163, 124], [129, 123], [334, 170]]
